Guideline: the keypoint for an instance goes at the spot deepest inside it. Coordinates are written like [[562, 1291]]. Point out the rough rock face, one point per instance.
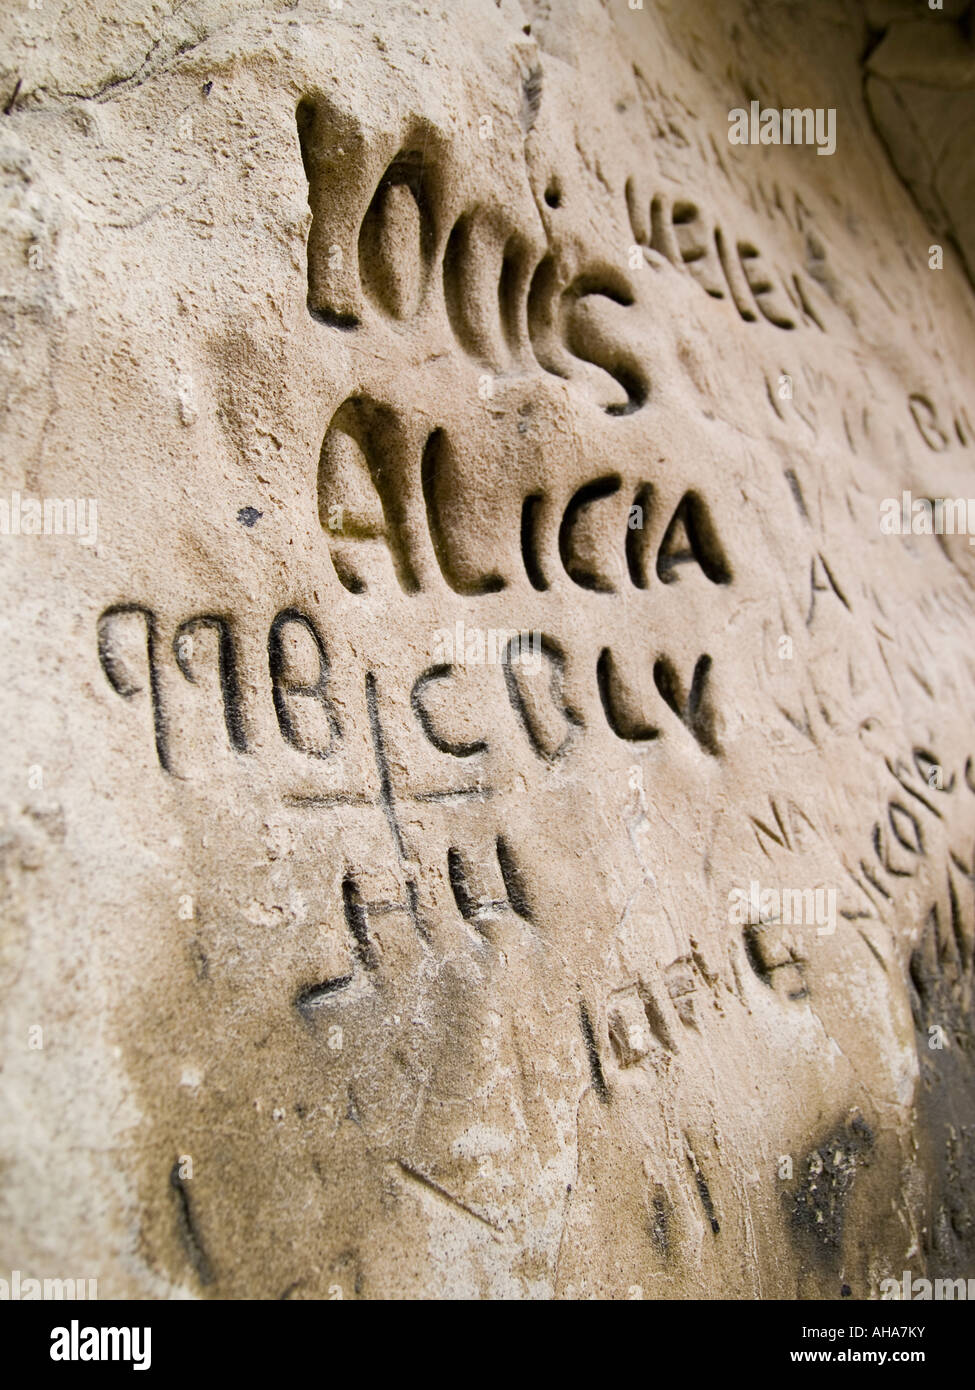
[[920, 89], [486, 648]]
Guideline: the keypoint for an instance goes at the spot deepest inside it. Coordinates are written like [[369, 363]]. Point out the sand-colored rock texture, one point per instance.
[[476, 632]]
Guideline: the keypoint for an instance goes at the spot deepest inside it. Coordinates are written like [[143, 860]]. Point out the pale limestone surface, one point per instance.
[[364, 972]]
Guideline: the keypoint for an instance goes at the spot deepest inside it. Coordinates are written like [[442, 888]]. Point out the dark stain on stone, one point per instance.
[[826, 1180], [659, 1220], [943, 1005]]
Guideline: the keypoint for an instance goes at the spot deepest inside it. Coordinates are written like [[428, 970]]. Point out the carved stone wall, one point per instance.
[[486, 638]]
